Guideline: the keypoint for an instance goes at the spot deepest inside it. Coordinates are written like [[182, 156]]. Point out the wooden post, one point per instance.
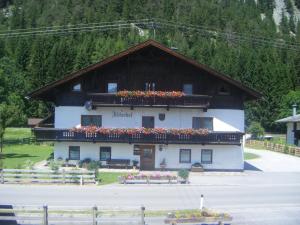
[[2, 176], [143, 215], [95, 215], [45, 219], [64, 176], [81, 180]]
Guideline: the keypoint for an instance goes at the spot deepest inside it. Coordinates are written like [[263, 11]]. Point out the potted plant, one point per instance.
[[184, 175], [135, 164], [197, 167], [163, 164]]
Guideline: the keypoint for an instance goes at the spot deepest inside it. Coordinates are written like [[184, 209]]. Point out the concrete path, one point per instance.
[[273, 161]]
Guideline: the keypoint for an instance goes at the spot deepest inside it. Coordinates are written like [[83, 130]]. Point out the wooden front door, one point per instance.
[[147, 157]]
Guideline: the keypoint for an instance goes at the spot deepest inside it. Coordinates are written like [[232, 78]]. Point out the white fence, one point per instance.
[[46, 176], [44, 215]]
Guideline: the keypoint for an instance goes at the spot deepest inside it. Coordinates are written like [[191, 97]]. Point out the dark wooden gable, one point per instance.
[[148, 63]]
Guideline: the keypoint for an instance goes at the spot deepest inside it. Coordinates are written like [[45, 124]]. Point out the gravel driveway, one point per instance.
[[272, 161]]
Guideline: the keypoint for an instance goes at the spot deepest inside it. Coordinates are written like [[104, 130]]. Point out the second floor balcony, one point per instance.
[[149, 99], [154, 137]]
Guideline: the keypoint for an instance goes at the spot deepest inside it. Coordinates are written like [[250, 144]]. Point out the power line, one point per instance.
[[149, 24]]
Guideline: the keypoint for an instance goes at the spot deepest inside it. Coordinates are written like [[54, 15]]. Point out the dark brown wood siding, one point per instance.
[[149, 65]]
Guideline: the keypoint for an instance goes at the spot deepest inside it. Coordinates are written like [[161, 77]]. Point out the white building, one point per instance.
[[201, 122], [293, 127]]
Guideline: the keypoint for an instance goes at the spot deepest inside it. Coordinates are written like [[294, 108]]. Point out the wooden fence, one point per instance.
[[29, 140], [44, 215], [275, 147], [46, 176]]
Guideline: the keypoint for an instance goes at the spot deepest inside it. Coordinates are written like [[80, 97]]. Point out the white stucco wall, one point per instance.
[[227, 157], [290, 133], [224, 119]]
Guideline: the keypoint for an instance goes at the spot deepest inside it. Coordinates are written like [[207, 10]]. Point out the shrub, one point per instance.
[[93, 165], [286, 149], [84, 163], [183, 173], [256, 130], [55, 164], [29, 164]]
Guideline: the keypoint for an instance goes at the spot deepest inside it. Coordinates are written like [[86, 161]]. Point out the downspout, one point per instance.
[[295, 125]]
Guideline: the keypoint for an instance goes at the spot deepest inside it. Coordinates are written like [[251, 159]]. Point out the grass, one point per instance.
[[20, 155], [109, 177], [17, 156], [249, 156], [12, 133]]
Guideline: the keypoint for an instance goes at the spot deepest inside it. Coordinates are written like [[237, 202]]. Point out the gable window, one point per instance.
[[77, 87], [206, 156], [112, 87], [202, 123], [74, 152], [223, 90], [148, 121], [149, 86], [185, 155], [187, 89], [89, 120], [105, 153]]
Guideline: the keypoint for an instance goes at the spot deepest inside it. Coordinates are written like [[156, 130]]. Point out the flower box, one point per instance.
[[155, 178], [197, 216]]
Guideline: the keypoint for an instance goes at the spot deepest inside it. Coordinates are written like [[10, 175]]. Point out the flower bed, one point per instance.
[[196, 216], [136, 131], [140, 178], [150, 94]]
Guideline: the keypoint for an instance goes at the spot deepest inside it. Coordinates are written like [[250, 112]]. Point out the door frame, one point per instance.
[[142, 147]]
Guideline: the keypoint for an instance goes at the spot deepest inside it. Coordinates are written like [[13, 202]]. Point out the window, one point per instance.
[[112, 87], [105, 153], [188, 89], [185, 155], [148, 121], [149, 86], [88, 120], [206, 156], [77, 87], [223, 90], [202, 122], [74, 153]]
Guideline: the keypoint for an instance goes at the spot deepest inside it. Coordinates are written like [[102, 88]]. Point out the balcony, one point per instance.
[[212, 138], [113, 100]]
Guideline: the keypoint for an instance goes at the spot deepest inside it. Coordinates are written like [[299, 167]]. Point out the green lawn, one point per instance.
[[15, 156], [109, 177], [12, 133], [18, 155], [248, 156]]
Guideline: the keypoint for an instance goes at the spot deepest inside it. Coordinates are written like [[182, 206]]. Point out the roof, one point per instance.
[[33, 121], [295, 118], [133, 49]]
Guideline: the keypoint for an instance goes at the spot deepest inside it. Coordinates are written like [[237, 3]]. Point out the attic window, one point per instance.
[[77, 87], [223, 90]]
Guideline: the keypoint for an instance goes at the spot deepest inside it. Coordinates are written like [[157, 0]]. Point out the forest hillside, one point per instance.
[[41, 41]]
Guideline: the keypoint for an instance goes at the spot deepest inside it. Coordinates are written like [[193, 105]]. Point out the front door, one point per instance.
[[147, 157]]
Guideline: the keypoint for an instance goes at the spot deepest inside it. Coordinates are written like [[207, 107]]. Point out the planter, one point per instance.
[[197, 217], [197, 220], [197, 169]]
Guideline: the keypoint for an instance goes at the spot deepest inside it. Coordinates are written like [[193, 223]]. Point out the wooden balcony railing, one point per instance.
[[218, 138], [187, 101]]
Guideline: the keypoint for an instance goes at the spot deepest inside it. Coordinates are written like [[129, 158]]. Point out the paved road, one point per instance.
[[274, 162], [252, 198]]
